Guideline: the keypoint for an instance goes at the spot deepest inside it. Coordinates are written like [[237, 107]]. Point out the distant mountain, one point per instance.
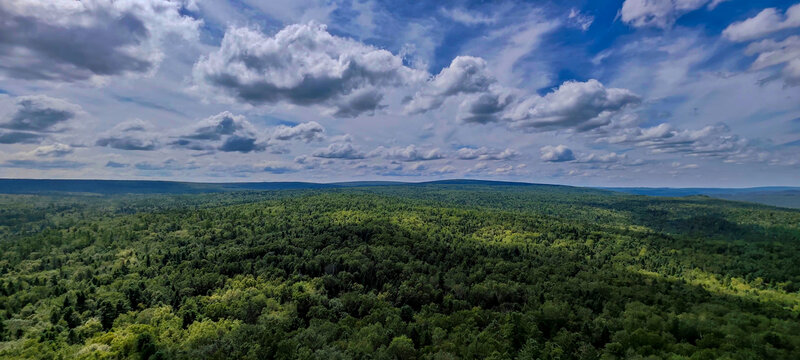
[[784, 196], [367, 183], [108, 187], [771, 195], [671, 192], [39, 186], [480, 182]]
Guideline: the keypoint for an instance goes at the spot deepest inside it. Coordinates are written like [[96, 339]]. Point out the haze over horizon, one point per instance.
[[682, 93]]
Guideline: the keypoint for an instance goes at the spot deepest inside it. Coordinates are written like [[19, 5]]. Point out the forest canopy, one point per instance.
[[397, 272]]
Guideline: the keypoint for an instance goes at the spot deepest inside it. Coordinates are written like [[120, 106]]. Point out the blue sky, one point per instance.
[[598, 93]]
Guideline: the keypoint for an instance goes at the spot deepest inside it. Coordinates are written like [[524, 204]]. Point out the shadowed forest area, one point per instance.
[[436, 271]]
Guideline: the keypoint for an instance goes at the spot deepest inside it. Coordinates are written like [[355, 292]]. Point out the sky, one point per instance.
[[678, 93]]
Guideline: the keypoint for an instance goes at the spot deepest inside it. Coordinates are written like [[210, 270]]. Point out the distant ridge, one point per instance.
[[482, 182], [784, 196], [663, 191], [37, 186]]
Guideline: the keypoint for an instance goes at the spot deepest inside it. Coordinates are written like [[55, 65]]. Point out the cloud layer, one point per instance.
[[78, 40]]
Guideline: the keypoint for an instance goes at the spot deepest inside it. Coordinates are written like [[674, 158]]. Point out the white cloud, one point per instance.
[[130, 135], [447, 169], [714, 3], [466, 74], [54, 150], [483, 153], [611, 157], [504, 169], [340, 151], [365, 101], [573, 105], [408, 153], [466, 17], [576, 105], [487, 107], [224, 132], [709, 141], [660, 13], [508, 47], [559, 153], [764, 23], [63, 40], [508, 169], [307, 132], [772, 53], [303, 65], [580, 20]]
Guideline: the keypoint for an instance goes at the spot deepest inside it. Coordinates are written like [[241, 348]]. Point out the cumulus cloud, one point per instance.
[[224, 132], [307, 132], [302, 64], [487, 107], [218, 126], [660, 13], [65, 40], [241, 144], [466, 74], [130, 135], [577, 105], [343, 150], [484, 153], [408, 153], [311, 162], [573, 105], [39, 113], [365, 101], [558, 153], [766, 22]]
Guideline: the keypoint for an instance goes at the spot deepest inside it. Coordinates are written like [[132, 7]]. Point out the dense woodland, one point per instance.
[[397, 272]]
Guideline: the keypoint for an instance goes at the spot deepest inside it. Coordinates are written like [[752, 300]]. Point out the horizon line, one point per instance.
[[398, 182]]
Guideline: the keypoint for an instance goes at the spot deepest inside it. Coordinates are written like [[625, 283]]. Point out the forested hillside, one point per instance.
[[437, 271]]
